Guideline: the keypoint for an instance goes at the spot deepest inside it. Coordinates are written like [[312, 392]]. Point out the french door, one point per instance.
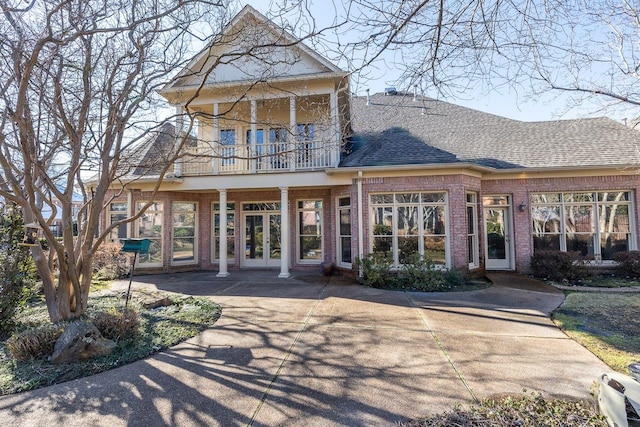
[[262, 239]]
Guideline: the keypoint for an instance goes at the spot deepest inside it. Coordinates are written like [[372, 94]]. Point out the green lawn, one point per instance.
[[607, 324]]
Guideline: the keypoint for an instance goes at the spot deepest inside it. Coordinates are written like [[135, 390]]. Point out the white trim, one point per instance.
[[508, 263], [322, 230], [338, 234], [421, 232], [476, 227], [161, 212], [195, 233]]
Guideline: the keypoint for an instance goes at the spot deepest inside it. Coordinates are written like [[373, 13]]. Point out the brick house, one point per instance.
[[288, 170]]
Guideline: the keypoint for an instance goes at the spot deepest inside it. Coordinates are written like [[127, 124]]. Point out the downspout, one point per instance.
[[360, 222]]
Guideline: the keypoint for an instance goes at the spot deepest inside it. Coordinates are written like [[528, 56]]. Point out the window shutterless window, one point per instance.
[[118, 212], [149, 226], [595, 224], [228, 146], [406, 223], [184, 232], [344, 232], [473, 251], [310, 230]]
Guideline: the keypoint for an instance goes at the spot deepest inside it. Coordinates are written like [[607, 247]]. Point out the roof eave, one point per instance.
[[166, 92], [421, 166]]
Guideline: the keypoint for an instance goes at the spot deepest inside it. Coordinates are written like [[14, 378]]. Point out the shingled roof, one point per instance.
[[398, 130]]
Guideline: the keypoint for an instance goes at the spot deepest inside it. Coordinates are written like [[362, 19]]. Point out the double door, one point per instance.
[[262, 239]]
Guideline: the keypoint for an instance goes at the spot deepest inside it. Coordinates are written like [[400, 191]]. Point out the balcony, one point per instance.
[[261, 158]]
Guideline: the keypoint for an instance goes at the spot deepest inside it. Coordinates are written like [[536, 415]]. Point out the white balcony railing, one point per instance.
[[265, 157]]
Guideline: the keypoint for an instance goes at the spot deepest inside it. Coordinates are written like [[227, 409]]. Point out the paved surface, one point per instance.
[[322, 353]]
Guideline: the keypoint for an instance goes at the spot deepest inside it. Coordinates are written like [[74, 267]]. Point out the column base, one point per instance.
[[284, 275], [222, 275]]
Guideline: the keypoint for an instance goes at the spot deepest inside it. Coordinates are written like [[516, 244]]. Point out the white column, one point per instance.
[[217, 147], [254, 136], [177, 166], [334, 138], [284, 233], [222, 256], [293, 133]]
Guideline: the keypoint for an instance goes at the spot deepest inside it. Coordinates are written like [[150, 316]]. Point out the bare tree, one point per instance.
[[78, 77], [588, 49]]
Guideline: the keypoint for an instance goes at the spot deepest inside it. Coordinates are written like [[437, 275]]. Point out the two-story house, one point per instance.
[[290, 170]]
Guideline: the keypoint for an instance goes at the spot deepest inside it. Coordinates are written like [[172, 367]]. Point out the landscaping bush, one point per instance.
[[422, 274], [116, 325], [417, 274], [34, 343], [376, 269], [109, 263], [559, 266], [17, 270], [628, 263]]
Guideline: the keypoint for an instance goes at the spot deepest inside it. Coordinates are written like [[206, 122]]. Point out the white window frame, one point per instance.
[[472, 202], [195, 232], [339, 236], [421, 232], [214, 253], [595, 204], [299, 236], [110, 220], [151, 210]]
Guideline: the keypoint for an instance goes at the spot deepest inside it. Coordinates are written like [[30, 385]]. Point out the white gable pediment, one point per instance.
[[252, 49]]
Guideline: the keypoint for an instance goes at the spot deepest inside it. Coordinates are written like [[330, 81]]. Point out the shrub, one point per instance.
[[17, 269], [34, 343], [628, 263], [116, 325], [417, 274], [559, 266], [422, 274], [376, 269], [109, 263]]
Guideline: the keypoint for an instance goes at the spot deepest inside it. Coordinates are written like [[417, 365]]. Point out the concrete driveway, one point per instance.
[[290, 352]]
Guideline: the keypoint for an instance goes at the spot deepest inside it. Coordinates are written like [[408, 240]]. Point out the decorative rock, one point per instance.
[[158, 302], [80, 341]]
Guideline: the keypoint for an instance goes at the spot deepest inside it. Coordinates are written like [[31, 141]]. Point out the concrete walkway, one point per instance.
[[287, 352]]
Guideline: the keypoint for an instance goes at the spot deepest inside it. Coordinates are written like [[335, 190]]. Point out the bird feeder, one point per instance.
[[31, 233]]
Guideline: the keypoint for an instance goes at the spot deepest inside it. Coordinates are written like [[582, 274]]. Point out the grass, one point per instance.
[[528, 410], [159, 328], [608, 281], [607, 324]]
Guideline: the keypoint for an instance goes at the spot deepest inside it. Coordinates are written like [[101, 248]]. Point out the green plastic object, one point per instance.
[[140, 246]]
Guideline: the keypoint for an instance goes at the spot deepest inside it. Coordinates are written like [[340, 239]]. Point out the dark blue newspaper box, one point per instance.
[[135, 246]]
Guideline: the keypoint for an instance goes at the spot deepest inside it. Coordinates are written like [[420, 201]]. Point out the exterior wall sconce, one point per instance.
[[522, 207]]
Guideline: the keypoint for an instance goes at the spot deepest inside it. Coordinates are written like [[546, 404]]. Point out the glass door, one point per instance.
[[262, 240], [498, 238]]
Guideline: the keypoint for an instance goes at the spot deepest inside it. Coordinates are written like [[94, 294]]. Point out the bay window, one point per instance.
[[596, 224], [408, 223]]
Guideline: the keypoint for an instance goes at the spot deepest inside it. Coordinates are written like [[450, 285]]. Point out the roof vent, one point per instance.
[[368, 98], [390, 91]]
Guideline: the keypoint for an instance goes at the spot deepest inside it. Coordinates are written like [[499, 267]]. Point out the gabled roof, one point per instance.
[[249, 49], [427, 131]]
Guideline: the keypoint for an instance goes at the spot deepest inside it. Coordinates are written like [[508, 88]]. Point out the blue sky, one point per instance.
[[504, 101]]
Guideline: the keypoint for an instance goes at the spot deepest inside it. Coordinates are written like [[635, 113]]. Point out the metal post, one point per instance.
[[135, 255]]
